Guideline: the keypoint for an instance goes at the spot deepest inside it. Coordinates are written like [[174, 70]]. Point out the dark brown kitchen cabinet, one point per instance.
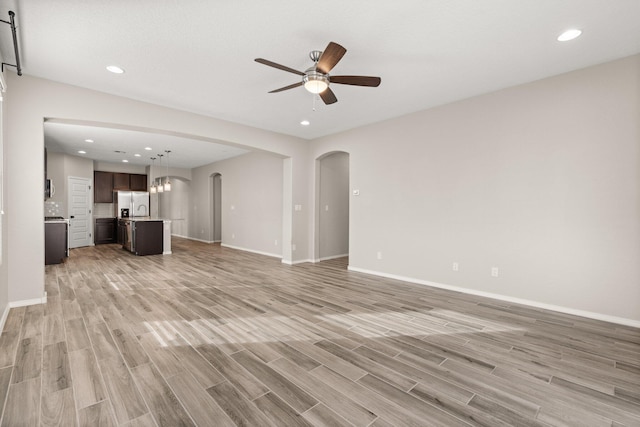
[[103, 187], [121, 181], [55, 242], [138, 182], [105, 183], [105, 231]]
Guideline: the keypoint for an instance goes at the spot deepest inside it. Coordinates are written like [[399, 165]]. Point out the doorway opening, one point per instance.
[[332, 224], [216, 208]]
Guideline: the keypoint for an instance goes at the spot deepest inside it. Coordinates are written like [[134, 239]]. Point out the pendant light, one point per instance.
[[153, 189], [160, 187], [167, 184]]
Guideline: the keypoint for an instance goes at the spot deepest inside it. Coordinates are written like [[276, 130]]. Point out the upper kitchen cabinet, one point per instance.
[[103, 187], [138, 182], [108, 182], [121, 181]]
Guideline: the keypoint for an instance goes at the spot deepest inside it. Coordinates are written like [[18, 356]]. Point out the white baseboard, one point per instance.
[[327, 258], [26, 302], [3, 319], [558, 308], [192, 238], [251, 250], [300, 261]]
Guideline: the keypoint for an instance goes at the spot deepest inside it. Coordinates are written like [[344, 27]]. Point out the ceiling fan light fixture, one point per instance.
[[315, 82]]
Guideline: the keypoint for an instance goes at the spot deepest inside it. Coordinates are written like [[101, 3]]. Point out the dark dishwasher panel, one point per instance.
[[148, 237]]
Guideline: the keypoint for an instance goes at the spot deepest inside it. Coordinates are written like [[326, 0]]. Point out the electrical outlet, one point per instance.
[[233, 236], [379, 255], [494, 271], [456, 266], [326, 207], [276, 242], [293, 247]]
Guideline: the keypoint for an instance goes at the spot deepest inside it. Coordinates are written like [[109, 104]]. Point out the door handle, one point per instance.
[[72, 217]]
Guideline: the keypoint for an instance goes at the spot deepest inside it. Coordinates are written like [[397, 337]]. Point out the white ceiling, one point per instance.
[[198, 55]]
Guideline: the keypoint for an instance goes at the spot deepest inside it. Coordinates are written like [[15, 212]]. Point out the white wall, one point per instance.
[[540, 180], [4, 271], [252, 194], [174, 205], [29, 100], [333, 212]]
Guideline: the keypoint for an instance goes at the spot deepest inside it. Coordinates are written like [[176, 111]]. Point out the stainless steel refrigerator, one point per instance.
[[132, 204]]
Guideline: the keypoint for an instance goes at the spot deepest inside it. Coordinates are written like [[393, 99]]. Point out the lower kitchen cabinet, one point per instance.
[[55, 242], [105, 230]]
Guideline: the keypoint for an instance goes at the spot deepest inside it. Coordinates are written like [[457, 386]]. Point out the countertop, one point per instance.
[[53, 220]]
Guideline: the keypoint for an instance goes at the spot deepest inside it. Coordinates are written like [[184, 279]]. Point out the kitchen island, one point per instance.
[[145, 235]]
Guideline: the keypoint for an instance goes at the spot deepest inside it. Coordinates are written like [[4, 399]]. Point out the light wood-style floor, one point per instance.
[[212, 336]]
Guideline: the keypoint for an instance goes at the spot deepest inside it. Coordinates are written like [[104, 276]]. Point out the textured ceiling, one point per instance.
[[198, 55]]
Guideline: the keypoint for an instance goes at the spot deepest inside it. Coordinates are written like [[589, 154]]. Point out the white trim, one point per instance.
[[26, 302], [552, 307], [4, 317], [327, 258], [251, 250], [191, 238], [301, 261]]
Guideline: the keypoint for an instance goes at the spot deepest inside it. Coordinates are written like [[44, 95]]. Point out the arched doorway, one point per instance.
[[332, 189], [216, 208]]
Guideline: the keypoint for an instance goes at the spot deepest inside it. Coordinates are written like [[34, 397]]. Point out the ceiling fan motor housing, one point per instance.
[[314, 81]]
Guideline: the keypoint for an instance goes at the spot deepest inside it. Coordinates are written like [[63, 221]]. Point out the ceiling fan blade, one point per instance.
[[330, 57], [356, 80], [286, 87], [328, 96], [278, 66]]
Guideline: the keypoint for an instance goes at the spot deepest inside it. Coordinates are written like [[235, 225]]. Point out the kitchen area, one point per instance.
[[128, 221], [117, 210]]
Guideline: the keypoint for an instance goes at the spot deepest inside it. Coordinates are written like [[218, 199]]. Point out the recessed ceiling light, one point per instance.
[[137, 155], [569, 35], [148, 148], [88, 140], [82, 152], [125, 161], [305, 123], [115, 69]]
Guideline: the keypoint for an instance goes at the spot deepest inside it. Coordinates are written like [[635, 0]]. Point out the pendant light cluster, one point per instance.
[[159, 187]]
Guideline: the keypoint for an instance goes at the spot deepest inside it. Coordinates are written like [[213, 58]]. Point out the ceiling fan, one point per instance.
[[316, 79]]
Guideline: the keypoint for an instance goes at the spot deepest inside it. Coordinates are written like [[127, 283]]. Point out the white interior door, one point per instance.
[[79, 212]]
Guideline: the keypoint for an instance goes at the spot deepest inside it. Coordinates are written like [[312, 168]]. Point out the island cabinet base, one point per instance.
[[147, 237]]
